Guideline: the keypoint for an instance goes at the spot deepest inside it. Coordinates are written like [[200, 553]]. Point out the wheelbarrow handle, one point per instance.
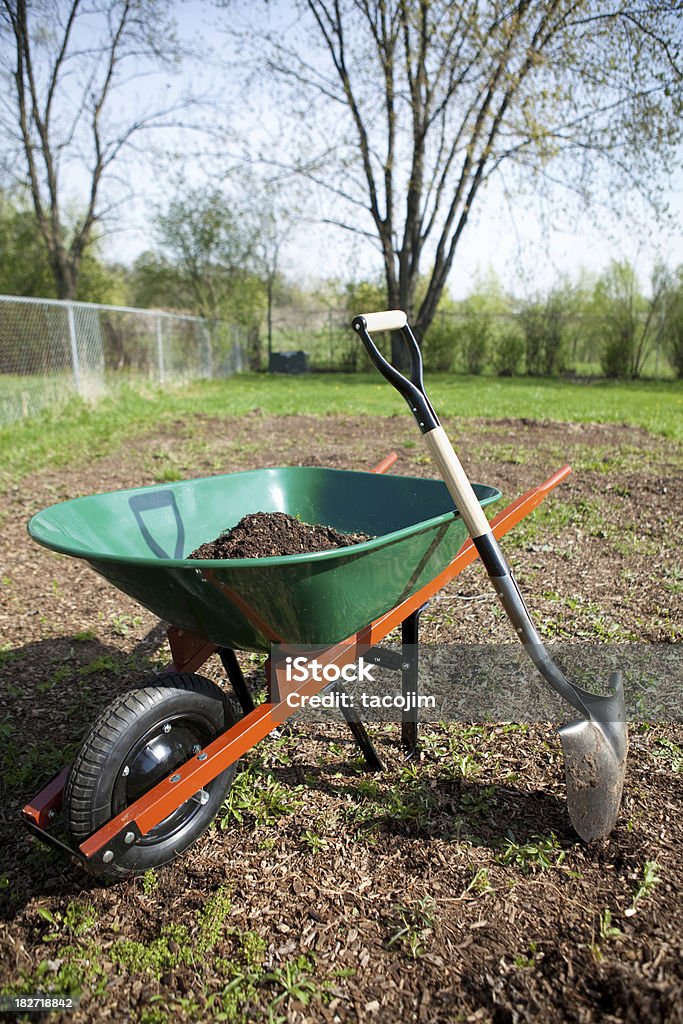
[[413, 389]]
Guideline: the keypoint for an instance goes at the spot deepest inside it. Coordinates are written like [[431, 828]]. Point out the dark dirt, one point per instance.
[[448, 888], [264, 534]]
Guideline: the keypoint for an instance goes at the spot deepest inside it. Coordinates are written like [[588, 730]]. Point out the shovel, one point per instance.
[[595, 744]]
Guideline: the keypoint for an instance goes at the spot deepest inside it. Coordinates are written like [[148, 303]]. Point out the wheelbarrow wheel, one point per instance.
[[138, 740]]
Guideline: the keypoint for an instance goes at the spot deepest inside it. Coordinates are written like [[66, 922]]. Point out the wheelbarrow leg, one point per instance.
[[410, 630], [236, 677], [373, 761]]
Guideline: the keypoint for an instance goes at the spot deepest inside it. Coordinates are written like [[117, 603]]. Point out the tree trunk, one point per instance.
[[400, 357], [65, 279]]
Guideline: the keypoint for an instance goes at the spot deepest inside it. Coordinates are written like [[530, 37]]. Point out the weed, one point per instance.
[[294, 982], [313, 841], [211, 920], [85, 634], [76, 966], [478, 801], [257, 793], [463, 766], [646, 887], [150, 882], [122, 624], [253, 949], [20, 765], [76, 920], [526, 960], [480, 884], [171, 948], [672, 751], [413, 925], [103, 663], [673, 579], [541, 853], [7, 655], [607, 929]]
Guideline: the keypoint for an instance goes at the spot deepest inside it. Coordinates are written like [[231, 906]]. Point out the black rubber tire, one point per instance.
[[93, 793]]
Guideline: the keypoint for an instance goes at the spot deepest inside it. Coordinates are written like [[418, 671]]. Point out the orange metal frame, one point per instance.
[[189, 652]]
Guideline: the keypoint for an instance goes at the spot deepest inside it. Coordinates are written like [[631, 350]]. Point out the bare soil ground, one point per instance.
[[451, 888]]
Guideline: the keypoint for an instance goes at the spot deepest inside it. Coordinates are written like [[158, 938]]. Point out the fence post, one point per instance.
[[208, 354], [74, 347], [160, 350]]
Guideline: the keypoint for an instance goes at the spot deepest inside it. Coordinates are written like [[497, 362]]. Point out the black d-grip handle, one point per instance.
[[413, 390]]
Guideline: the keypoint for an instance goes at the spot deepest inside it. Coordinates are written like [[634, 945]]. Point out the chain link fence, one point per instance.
[[52, 350]]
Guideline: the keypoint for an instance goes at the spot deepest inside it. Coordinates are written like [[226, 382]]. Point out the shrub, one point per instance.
[[509, 351], [673, 330], [475, 339], [439, 344], [543, 326], [616, 356]]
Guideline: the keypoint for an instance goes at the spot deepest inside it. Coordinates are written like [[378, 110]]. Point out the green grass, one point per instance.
[[79, 432]]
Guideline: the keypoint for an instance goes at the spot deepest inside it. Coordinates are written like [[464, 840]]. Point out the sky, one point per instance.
[[524, 242]]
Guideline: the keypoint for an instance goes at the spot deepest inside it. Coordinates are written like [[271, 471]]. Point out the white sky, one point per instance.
[[509, 237]]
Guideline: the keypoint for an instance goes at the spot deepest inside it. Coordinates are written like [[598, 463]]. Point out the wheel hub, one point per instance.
[[164, 747]]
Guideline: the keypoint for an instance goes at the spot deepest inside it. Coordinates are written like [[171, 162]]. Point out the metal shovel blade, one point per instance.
[[595, 751]]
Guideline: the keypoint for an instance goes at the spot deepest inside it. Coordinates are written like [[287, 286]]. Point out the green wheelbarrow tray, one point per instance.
[[138, 539]]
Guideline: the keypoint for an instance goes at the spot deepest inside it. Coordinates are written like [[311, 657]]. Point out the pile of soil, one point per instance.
[[264, 534]]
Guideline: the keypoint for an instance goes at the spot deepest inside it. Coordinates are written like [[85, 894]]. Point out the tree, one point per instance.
[[206, 262], [673, 322], [208, 243], [629, 321], [65, 62], [408, 108], [25, 266], [544, 326]]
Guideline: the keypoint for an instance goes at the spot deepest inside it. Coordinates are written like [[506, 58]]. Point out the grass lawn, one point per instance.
[[80, 431]]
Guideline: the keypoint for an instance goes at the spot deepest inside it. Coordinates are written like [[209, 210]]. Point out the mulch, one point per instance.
[[353, 859]]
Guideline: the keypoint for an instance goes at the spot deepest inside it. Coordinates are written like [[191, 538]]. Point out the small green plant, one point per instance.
[[103, 663], [646, 887], [526, 960], [672, 751], [122, 624], [607, 929], [171, 948], [478, 801], [85, 634], [313, 841], [258, 794], [541, 853], [150, 882], [607, 932], [295, 982], [76, 920], [480, 884], [412, 926], [211, 919]]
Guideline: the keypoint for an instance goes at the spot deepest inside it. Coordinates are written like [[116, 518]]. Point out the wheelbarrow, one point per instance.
[[158, 763]]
